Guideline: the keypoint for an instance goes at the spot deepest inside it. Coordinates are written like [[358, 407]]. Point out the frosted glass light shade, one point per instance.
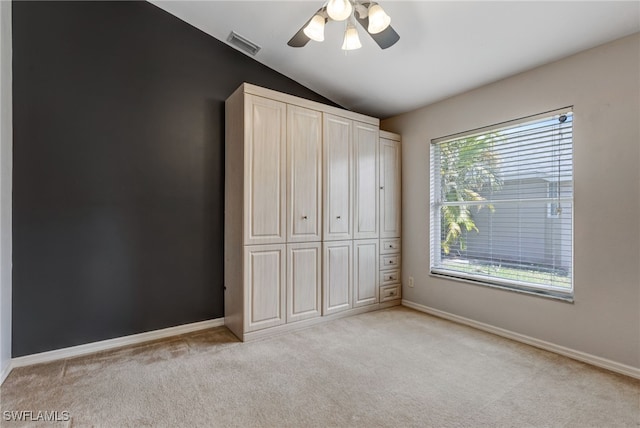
[[315, 29], [339, 10], [351, 39], [378, 19]]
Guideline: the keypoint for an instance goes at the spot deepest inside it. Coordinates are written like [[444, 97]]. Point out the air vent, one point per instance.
[[242, 43]]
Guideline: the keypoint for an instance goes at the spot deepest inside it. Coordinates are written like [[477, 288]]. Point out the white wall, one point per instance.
[[603, 85], [6, 144]]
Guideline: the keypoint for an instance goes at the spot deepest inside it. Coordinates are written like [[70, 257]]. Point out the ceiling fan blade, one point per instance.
[[385, 39], [300, 39]]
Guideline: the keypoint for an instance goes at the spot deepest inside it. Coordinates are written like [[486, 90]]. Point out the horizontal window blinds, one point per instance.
[[502, 204]]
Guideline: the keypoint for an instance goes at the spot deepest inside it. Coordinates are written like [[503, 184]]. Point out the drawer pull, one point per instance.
[[304, 217], [391, 262], [338, 217]]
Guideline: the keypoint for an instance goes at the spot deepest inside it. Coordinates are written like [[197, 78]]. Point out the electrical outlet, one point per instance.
[[411, 281]]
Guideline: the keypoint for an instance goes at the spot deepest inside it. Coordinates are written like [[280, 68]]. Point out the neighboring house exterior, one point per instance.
[[549, 249]]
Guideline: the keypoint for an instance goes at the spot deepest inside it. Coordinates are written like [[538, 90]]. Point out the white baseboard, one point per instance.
[[4, 372], [547, 346], [104, 345]]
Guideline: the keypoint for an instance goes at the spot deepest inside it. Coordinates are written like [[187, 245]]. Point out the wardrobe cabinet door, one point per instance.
[[390, 188], [365, 272], [338, 178], [304, 183], [264, 279], [264, 171], [336, 276], [365, 145], [304, 294]]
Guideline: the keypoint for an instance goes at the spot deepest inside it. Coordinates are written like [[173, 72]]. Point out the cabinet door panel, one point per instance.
[[337, 276], [338, 178], [264, 276], [265, 174], [304, 161], [366, 143], [390, 184], [303, 281], [365, 272]]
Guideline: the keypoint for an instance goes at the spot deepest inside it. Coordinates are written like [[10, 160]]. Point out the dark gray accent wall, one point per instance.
[[118, 170]]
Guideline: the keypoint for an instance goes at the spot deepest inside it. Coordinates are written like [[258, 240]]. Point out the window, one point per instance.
[[502, 205]]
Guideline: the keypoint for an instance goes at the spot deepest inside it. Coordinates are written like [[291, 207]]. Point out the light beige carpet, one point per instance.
[[392, 368]]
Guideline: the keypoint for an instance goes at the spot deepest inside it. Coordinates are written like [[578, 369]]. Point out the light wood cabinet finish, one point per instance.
[[304, 295], [301, 183], [265, 171], [390, 216], [390, 246], [390, 188], [365, 212], [337, 285], [338, 178], [390, 261], [389, 277], [304, 184], [389, 292], [264, 270], [365, 272]]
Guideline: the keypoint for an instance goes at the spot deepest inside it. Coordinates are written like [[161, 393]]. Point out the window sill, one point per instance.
[[563, 297]]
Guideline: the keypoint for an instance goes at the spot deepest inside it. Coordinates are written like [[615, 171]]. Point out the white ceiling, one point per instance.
[[445, 47]]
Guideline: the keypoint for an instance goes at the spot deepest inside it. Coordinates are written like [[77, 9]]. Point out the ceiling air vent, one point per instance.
[[242, 43]]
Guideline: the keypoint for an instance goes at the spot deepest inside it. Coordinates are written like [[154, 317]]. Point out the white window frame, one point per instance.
[[554, 292]]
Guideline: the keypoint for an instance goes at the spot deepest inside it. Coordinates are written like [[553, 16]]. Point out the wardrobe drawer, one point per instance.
[[388, 277], [390, 246], [389, 292], [390, 262]]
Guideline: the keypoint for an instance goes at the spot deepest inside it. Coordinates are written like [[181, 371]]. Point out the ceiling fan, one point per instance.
[[369, 15]]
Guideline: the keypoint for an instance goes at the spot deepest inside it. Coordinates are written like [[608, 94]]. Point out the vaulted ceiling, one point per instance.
[[446, 47]]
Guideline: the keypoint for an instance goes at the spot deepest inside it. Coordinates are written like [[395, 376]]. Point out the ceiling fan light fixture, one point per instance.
[[339, 10], [315, 29], [368, 13], [378, 19], [351, 39]]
